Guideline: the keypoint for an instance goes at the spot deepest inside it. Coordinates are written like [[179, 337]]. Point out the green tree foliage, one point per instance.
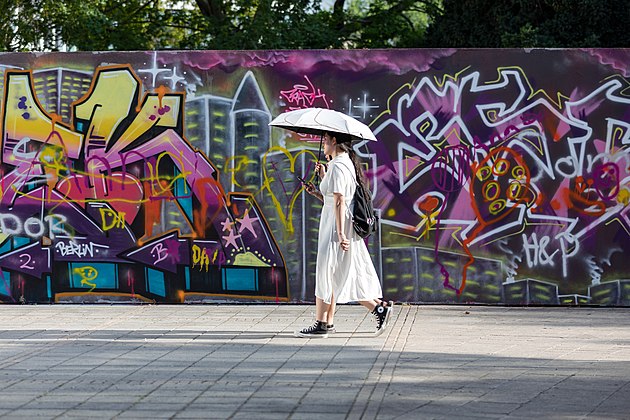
[[91, 25], [124, 25], [530, 23], [388, 23], [280, 24], [50, 25], [258, 24]]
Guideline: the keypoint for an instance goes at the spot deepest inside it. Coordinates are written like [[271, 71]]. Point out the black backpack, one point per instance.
[[364, 218]]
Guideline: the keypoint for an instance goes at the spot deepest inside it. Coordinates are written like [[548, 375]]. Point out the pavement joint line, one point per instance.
[[135, 370], [361, 403], [321, 373], [397, 348], [626, 384], [83, 373], [551, 386], [56, 343], [212, 383], [286, 360]]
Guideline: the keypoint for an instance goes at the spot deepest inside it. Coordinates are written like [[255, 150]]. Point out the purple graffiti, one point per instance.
[[606, 181], [450, 169]]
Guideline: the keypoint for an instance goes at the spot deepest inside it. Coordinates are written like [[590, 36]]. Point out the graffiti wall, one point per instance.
[[501, 176]]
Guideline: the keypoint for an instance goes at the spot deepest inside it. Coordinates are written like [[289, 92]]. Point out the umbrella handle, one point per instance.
[[319, 155]]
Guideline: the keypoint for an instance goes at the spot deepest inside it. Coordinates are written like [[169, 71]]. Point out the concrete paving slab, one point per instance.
[[242, 361]]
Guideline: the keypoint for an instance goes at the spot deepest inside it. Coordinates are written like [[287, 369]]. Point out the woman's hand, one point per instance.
[[320, 169], [344, 242], [310, 188]]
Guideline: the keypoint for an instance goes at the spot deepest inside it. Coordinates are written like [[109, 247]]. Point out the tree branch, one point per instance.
[[338, 15], [142, 6], [212, 9], [338, 7]]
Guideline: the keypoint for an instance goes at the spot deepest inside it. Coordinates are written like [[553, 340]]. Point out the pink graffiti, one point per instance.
[[304, 96]]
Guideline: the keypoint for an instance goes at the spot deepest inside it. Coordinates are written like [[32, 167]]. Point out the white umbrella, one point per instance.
[[319, 120]]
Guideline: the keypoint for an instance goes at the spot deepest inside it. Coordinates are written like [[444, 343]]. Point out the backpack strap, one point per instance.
[[349, 168]]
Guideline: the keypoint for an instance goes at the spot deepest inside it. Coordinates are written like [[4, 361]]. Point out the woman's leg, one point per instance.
[[330, 314], [319, 328], [321, 310], [369, 304]]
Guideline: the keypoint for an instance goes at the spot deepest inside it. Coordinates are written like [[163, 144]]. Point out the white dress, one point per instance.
[[348, 276]]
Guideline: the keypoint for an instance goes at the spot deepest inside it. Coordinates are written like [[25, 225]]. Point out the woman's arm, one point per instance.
[[310, 188], [320, 171], [340, 220]]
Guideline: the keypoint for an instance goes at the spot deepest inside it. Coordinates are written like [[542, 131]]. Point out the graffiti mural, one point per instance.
[[501, 176]]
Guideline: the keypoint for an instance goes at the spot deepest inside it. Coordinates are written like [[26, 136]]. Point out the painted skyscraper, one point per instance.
[[57, 88], [252, 135], [209, 129]]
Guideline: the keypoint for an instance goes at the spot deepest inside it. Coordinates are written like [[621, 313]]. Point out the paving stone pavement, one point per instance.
[[242, 362]]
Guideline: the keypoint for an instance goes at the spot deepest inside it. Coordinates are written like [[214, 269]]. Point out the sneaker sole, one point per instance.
[[302, 335], [390, 305]]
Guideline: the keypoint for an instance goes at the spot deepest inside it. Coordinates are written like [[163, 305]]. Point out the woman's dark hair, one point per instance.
[[341, 137], [344, 141]]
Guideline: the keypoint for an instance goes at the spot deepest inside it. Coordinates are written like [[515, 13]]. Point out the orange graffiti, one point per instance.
[[577, 200], [501, 166], [429, 204]]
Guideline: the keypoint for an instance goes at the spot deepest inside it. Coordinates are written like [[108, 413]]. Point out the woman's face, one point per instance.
[[329, 144]]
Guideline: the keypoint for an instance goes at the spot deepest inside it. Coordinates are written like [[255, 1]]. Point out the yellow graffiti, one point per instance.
[[442, 82], [249, 259], [424, 234], [55, 165], [24, 117], [390, 107], [87, 274], [117, 219], [560, 98], [161, 112], [200, 257], [236, 164], [286, 219], [169, 181], [165, 183], [52, 157], [112, 96], [616, 137]]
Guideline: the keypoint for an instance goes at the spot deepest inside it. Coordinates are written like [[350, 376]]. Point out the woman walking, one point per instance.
[[344, 272]]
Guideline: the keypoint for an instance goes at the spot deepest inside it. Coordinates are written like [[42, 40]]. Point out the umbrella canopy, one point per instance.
[[319, 120]]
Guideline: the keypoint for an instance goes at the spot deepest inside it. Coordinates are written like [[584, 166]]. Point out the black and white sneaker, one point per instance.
[[331, 328], [317, 330], [390, 305], [381, 314]]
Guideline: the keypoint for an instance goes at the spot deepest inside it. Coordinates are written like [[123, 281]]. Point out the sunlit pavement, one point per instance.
[[242, 361]]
